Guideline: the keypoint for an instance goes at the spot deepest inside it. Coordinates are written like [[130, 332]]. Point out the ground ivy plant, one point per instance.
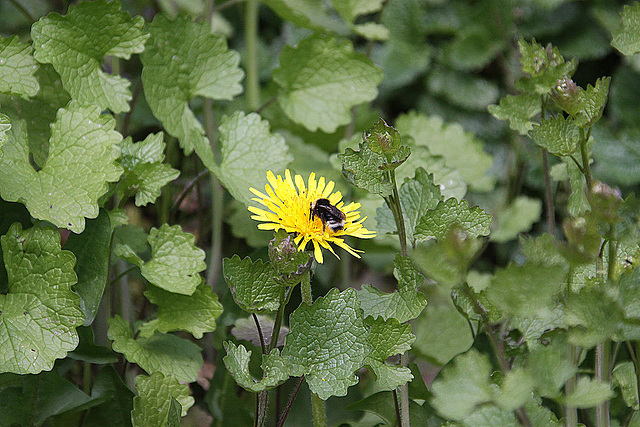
[[292, 213]]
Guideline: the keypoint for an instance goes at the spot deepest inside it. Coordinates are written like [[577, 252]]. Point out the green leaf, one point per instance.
[[381, 408], [118, 401], [145, 174], [442, 332], [183, 60], [17, 68], [92, 250], [351, 9], [174, 414], [328, 343], [558, 135], [81, 162], [585, 105], [38, 112], [276, 369], [625, 38], [372, 31], [463, 89], [88, 351], [29, 400], [76, 44], [515, 219], [589, 393], [5, 126], [153, 400], [544, 66], [364, 169], [320, 81], [448, 141], [474, 46], [40, 312], [616, 156], [594, 314], [515, 389], [624, 376], [405, 304], [550, 367], [246, 329], [526, 290], [175, 261], [417, 196], [460, 387], [252, 284], [249, 150], [196, 313], [518, 111], [436, 222], [308, 14], [160, 353], [388, 338]]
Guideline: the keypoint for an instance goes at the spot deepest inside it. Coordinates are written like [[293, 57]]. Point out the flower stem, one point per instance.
[[586, 168], [305, 289], [319, 411]]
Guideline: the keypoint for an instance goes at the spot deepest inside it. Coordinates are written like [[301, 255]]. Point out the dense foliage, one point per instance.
[[166, 260]]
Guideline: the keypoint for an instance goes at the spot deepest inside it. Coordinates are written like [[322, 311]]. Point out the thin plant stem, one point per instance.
[[602, 369], [584, 139], [260, 334], [251, 51], [551, 216], [287, 408], [396, 404], [633, 353], [184, 193], [319, 411], [275, 334], [86, 377], [225, 5], [305, 289]]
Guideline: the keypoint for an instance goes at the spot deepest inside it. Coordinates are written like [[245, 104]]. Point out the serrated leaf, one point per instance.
[[160, 353], [174, 414], [405, 304], [624, 376], [76, 44], [320, 81], [249, 150], [308, 14], [275, 368], [550, 367], [594, 314], [461, 386], [175, 261], [436, 222], [328, 343], [252, 284], [515, 219], [388, 338], [153, 400], [81, 162], [448, 141], [196, 313], [625, 38], [586, 105], [92, 250], [526, 290], [364, 169], [544, 66], [589, 393], [558, 135], [145, 174], [17, 68], [38, 112], [40, 313], [183, 60], [515, 390], [442, 332], [417, 196], [517, 110]]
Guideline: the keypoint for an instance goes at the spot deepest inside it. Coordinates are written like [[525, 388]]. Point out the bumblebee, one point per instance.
[[330, 216]]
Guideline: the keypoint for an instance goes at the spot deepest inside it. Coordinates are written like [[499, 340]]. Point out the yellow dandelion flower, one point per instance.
[[289, 200]]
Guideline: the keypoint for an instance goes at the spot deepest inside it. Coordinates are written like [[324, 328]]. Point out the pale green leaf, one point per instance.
[[461, 386], [515, 219], [81, 162], [372, 31], [196, 313], [543, 67], [350, 9], [328, 343], [249, 150], [153, 400], [515, 390], [526, 290], [275, 368], [40, 312], [550, 367], [17, 68], [436, 222], [442, 332], [252, 284], [463, 89], [448, 141], [183, 60], [558, 135], [626, 38], [5, 126], [404, 304], [76, 44], [175, 261], [589, 393], [308, 14], [624, 376], [490, 416], [518, 111], [388, 338], [161, 353], [594, 315], [320, 81]]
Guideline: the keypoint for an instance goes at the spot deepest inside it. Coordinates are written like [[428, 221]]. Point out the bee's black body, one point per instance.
[[330, 216]]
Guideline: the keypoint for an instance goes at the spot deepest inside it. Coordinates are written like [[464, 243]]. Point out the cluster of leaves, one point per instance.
[[108, 110]]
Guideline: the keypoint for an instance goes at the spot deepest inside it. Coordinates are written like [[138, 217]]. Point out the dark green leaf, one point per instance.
[[252, 284]]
